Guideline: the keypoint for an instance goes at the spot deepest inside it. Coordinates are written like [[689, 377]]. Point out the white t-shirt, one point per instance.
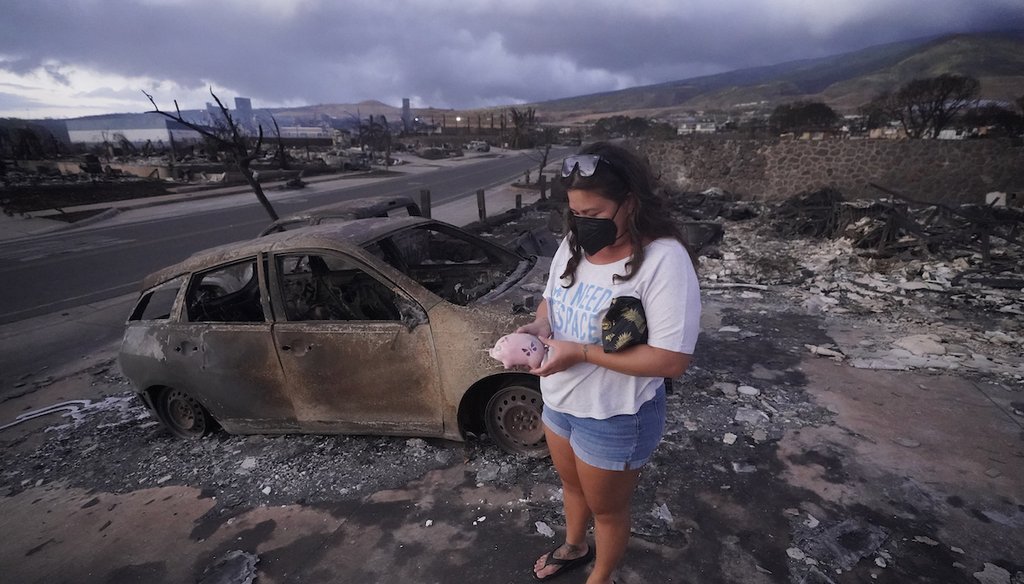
[[666, 285]]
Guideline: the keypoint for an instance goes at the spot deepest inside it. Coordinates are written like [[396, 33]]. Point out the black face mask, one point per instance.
[[594, 234]]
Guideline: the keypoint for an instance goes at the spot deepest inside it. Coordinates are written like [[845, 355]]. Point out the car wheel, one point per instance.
[[183, 415], [512, 418]]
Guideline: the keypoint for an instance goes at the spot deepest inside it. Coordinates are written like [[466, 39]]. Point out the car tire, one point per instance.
[[183, 415], [513, 420]]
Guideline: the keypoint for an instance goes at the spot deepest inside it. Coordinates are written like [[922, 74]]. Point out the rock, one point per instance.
[[819, 303], [926, 540], [920, 345], [824, 351], [999, 338], [487, 473], [750, 416], [416, 444], [743, 467], [992, 574], [729, 438], [248, 463], [234, 567], [993, 473], [759, 435], [661, 512], [543, 529], [879, 364], [906, 442], [796, 553], [748, 390], [728, 389]]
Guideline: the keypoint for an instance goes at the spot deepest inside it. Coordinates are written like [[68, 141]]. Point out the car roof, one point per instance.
[[358, 208], [350, 234], [355, 208]]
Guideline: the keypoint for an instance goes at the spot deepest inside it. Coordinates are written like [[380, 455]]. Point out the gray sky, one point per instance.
[[66, 58]]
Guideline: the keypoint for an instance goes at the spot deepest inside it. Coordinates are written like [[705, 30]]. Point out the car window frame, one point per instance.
[[370, 268], [259, 261], [176, 303]]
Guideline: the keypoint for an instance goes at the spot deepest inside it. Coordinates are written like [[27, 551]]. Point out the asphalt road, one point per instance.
[[68, 293], [67, 269]]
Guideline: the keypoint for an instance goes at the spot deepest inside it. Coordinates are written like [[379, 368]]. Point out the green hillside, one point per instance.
[[844, 81]]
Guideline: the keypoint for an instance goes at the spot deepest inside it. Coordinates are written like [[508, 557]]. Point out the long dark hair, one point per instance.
[[620, 174]]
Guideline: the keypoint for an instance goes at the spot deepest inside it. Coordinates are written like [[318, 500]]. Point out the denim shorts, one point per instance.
[[620, 442]]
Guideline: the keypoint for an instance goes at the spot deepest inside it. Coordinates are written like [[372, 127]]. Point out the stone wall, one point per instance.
[[938, 171]]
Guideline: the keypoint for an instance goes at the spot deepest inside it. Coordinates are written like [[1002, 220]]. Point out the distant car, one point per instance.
[[367, 326], [345, 211], [356, 162], [478, 146]]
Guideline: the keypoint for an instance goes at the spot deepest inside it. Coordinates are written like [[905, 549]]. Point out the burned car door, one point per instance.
[[357, 352], [224, 351]]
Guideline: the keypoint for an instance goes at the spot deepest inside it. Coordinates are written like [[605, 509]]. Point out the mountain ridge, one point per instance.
[[844, 81]]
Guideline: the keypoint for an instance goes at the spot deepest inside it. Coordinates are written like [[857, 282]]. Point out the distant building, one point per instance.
[[891, 131], [406, 116], [243, 113], [952, 134], [135, 128], [305, 132], [695, 127], [213, 114]]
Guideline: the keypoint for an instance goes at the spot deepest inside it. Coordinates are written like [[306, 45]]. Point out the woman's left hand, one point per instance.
[[561, 355]]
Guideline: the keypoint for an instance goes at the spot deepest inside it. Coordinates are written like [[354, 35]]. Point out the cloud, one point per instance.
[[446, 54]]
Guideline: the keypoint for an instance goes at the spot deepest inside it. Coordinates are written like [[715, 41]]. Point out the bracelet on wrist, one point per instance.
[[585, 349]]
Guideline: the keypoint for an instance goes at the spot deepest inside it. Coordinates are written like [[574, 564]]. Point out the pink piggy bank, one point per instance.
[[519, 349]]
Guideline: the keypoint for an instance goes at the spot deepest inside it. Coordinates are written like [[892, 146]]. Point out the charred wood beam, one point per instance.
[[983, 224]]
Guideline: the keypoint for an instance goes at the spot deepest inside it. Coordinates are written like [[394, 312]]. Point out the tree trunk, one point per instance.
[[258, 189]]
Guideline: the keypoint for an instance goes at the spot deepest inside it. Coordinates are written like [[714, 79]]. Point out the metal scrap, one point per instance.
[[900, 225], [69, 407]]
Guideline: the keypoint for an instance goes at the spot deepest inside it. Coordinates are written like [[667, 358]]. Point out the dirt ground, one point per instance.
[[779, 465]]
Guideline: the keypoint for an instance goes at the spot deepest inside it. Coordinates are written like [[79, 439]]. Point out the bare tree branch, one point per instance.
[[231, 140]]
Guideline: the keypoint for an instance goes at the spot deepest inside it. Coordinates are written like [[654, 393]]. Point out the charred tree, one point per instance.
[[523, 122], [229, 138], [282, 156]]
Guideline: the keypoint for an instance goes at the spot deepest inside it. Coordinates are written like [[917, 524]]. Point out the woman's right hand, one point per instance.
[[538, 328]]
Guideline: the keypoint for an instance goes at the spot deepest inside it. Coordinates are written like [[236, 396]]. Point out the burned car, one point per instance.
[[365, 326]]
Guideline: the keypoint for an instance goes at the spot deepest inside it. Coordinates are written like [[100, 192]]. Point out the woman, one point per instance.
[[604, 412]]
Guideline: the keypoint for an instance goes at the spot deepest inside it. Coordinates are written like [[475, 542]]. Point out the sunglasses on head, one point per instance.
[[584, 164]]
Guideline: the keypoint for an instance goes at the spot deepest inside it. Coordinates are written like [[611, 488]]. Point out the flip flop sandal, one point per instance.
[[564, 565]]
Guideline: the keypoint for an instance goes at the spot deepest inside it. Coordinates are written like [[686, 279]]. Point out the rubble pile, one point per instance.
[[969, 302], [899, 225]]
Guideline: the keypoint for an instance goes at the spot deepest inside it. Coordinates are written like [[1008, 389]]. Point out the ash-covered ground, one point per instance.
[[847, 419]]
